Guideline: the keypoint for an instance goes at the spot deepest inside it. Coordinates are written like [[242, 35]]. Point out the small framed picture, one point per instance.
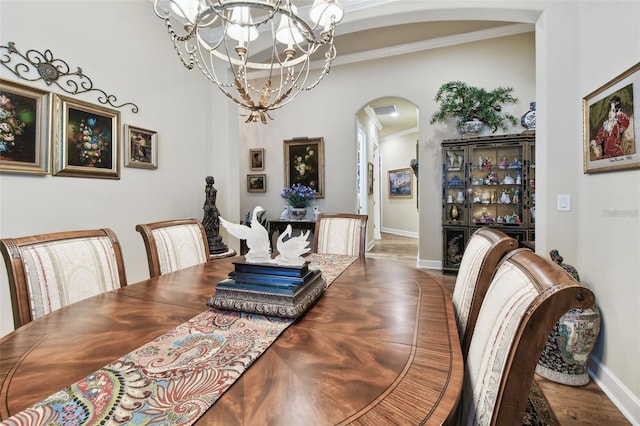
[[256, 183], [86, 139], [24, 129], [370, 178], [256, 158], [400, 183], [141, 148]]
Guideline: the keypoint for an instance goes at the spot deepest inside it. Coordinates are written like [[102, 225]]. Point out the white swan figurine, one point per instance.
[[291, 250], [256, 236]]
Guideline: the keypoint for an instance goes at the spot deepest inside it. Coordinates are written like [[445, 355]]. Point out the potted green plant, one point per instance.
[[471, 104]]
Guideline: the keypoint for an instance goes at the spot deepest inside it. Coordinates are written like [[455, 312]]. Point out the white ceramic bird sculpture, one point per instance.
[[256, 236], [291, 250], [316, 212]]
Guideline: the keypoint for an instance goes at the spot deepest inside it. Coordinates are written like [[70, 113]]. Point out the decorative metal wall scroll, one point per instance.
[[34, 66]]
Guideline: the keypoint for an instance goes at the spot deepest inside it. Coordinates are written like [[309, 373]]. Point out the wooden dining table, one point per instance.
[[380, 346]]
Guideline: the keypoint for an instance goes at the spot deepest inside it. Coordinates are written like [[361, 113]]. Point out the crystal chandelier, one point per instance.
[[235, 43]]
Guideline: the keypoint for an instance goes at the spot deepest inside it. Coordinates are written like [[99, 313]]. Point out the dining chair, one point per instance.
[[481, 255], [526, 297], [174, 244], [340, 233], [49, 271]]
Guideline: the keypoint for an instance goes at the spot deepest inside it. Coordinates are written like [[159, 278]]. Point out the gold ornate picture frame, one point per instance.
[[256, 159], [400, 183], [304, 163], [257, 183], [86, 139], [141, 148], [25, 129], [612, 124]]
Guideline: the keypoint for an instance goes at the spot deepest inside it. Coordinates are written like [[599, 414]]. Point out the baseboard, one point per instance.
[[429, 264], [400, 232], [616, 391]]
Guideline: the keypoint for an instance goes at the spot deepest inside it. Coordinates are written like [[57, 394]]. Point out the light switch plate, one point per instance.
[[564, 202]]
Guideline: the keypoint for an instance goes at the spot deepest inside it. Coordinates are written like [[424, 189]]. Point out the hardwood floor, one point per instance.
[[572, 405]]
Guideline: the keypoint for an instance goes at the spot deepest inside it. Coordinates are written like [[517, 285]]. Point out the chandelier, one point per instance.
[[235, 43]]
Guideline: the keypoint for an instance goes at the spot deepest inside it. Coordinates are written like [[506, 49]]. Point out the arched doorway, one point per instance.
[[387, 136]]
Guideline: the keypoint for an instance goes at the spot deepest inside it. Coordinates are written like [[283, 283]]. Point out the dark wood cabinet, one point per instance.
[[486, 181]]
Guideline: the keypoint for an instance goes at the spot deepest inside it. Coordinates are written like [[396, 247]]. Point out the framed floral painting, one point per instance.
[[86, 142], [24, 129], [612, 124], [304, 163], [141, 148], [256, 183], [400, 183]]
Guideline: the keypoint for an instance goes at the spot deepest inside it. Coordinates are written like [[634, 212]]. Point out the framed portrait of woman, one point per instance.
[[304, 163], [612, 124]]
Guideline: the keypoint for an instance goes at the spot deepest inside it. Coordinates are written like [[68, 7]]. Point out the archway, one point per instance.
[[387, 136]]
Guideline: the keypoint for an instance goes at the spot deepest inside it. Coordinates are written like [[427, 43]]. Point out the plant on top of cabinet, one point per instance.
[[469, 104]]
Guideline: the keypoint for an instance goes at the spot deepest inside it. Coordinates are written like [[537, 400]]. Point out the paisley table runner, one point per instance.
[[175, 378]]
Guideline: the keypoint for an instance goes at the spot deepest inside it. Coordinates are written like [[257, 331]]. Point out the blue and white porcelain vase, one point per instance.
[[528, 120], [297, 213], [566, 354]]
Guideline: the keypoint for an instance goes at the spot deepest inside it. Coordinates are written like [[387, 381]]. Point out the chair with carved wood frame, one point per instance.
[[526, 297], [482, 253], [174, 244], [340, 233], [49, 271]]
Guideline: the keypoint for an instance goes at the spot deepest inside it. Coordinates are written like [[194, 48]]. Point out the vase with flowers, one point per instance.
[[11, 128], [91, 142], [299, 197]]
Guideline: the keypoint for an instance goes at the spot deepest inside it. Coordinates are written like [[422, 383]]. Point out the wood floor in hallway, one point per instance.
[[572, 405]]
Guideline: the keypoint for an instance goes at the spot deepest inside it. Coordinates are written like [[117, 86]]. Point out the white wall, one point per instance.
[[126, 51]]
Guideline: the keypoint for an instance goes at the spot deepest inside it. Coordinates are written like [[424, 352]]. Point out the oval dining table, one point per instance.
[[379, 347]]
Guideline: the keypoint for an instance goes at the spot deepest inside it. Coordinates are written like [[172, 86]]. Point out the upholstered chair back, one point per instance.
[[481, 256], [340, 233], [47, 272], [174, 244], [526, 297]]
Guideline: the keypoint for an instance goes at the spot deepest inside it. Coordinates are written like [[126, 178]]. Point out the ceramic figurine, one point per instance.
[[460, 158], [508, 180], [487, 163], [516, 195], [503, 163], [515, 164], [518, 180], [492, 178], [451, 159], [504, 198], [285, 214], [480, 162]]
